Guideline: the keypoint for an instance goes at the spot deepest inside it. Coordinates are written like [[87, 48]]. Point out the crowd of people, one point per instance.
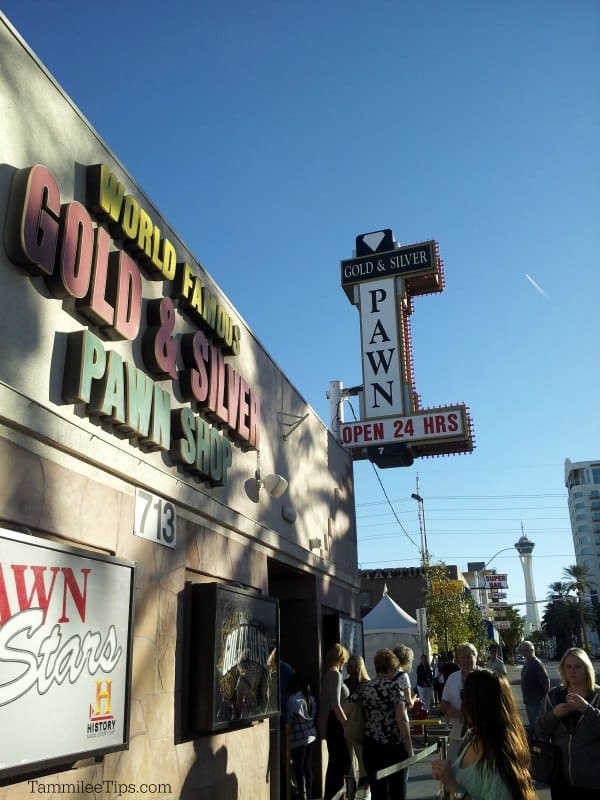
[[488, 746]]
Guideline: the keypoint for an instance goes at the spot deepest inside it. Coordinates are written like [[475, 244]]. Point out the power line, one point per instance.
[[496, 533], [464, 519], [393, 510], [515, 508], [387, 562], [385, 494], [468, 497]]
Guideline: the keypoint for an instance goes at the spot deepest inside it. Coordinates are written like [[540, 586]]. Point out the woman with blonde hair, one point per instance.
[[332, 719], [570, 718], [494, 760], [357, 674]]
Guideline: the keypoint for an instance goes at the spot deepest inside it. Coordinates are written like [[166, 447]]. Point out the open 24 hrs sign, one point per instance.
[[155, 518], [446, 423]]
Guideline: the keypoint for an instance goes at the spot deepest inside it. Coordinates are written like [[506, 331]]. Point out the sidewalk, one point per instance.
[[421, 786]]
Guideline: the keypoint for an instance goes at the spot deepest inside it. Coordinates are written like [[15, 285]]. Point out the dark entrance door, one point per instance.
[[299, 647]]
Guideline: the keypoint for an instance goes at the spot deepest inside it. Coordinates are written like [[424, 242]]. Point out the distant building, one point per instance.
[[405, 586]]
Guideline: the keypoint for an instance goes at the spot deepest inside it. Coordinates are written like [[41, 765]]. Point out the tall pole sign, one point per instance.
[[382, 280]]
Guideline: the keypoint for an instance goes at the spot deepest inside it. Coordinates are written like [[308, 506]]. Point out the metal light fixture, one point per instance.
[[276, 485]]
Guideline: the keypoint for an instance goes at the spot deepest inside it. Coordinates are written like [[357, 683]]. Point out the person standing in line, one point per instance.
[[332, 719], [570, 717], [438, 677], [535, 683], [405, 657], [494, 663], [494, 760], [285, 673], [449, 666], [301, 712], [451, 703], [387, 733], [425, 682], [357, 674]]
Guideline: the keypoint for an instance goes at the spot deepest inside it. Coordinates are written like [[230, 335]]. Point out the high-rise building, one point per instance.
[[582, 479]]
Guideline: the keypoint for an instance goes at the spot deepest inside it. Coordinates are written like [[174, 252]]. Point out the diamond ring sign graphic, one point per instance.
[[381, 280]]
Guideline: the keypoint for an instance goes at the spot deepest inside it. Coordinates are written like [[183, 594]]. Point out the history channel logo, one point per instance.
[[101, 721]]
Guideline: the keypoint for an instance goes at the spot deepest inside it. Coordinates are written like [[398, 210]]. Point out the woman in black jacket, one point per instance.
[[570, 718]]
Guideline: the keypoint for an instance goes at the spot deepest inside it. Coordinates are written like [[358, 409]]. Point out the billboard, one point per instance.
[[448, 587], [65, 653]]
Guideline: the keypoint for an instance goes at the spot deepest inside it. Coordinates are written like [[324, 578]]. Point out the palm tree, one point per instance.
[[578, 579], [561, 619], [558, 589]]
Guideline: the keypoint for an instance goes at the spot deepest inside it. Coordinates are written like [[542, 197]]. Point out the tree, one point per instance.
[[452, 616], [558, 589], [478, 632], [578, 579], [561, 619], [513, 635]]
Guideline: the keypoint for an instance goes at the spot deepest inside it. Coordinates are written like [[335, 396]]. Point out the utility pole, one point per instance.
[[421, 508]]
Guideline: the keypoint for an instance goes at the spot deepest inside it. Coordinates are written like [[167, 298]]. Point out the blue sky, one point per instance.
[[270, 134]]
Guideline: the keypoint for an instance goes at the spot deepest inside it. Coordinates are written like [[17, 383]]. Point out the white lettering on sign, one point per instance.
[[361, 270], [445, 423], [407, 260], [381, 349], [65, 636], [49, 658]]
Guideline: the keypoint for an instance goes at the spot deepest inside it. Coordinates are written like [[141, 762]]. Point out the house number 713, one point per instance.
[[155, 518]]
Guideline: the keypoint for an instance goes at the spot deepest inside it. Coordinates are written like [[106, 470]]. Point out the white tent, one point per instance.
[[388, 625]]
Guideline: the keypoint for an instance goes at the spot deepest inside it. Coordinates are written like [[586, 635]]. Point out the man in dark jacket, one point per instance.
[[534, 682]]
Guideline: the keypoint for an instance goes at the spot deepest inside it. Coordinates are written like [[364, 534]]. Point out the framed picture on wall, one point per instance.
[[65, 653], [233, 664]]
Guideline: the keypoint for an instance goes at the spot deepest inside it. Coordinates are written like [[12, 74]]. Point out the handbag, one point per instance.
[[354, 729], [545, 761]]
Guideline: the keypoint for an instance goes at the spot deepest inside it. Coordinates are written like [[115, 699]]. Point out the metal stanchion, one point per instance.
[[443, 748], [440, 744], [348, 790]]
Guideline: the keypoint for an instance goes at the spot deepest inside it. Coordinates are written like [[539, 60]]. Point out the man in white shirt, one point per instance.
[[451, 703]]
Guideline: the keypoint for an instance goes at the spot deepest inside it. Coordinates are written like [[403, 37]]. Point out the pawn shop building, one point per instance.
[[175, 519]]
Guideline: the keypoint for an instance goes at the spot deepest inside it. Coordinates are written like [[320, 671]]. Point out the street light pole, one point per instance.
[[424, 553], [421, 508]]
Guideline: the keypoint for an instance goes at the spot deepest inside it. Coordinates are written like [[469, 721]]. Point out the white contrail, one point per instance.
[[536, 286]]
